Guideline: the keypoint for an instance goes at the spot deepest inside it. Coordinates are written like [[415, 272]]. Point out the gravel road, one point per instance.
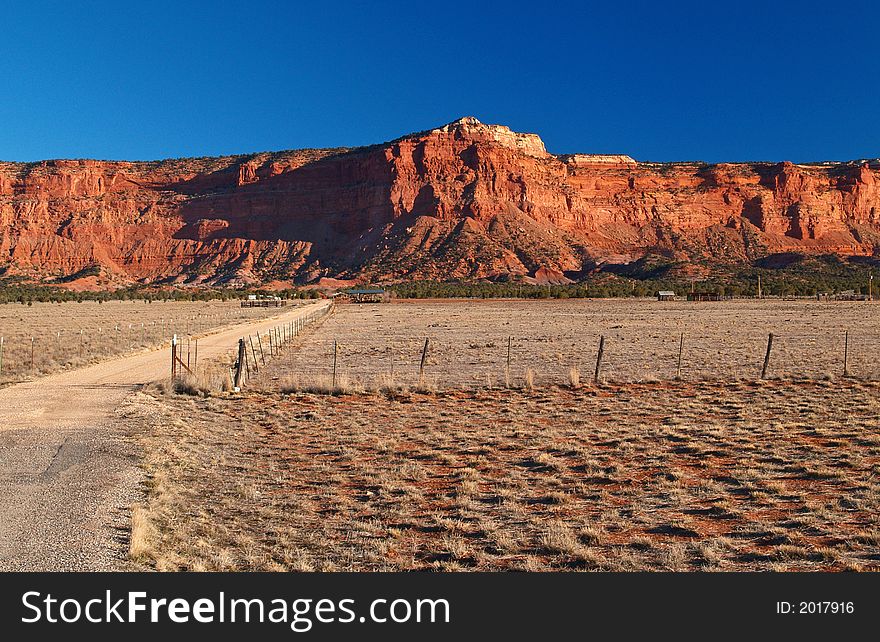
[[68, 471]]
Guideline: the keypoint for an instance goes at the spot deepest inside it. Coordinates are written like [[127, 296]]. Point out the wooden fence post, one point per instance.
[[196, 357], [507, 370], [260, 343], [335, 353], [254, 351], [767, 355], [680, 348], [422, 364], [174, 357], [846, 353], [599, 358], [239, 366]]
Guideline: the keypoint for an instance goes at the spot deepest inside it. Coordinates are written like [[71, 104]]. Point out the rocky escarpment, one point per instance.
[[466, 200]]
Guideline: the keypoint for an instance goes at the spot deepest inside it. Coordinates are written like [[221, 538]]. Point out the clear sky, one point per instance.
[[657, 80]]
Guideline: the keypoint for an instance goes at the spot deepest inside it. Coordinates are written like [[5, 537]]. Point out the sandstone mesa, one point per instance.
[[462, 201]]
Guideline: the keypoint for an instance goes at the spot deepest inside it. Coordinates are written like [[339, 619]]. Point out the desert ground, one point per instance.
[[468, 341], [70, 335], [680, 477], [468, 468]]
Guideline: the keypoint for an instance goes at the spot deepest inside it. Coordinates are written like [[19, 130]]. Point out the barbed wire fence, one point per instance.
[[59, 343], [255, 351], [595, 357]]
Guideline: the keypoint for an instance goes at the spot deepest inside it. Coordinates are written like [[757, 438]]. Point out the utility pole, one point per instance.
[[759, 287], [870, 286]]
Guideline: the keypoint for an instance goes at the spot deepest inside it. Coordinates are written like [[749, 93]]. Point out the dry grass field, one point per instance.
[[67, 335], [714, 472], [469, 339], [681, 476]]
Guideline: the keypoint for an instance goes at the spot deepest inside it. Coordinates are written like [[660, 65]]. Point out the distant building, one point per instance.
[[850, 295], [376, 295], [666, 295], [707, 296], [263, 301]]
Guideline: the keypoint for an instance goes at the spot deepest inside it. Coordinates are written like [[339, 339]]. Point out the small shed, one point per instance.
[[666, 295], [376, 295]]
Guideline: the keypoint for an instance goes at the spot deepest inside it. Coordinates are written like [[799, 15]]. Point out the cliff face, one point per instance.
[[461, 201]]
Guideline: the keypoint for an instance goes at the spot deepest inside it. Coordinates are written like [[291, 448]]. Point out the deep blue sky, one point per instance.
[[656, 80]]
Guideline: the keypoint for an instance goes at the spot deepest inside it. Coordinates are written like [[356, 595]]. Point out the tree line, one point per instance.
[[799, 281], [29, 294]]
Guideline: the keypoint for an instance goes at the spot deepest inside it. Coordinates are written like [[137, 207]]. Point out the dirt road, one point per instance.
[[68, 475]]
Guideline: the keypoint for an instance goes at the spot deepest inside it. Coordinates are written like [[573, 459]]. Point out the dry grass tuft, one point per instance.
[[210, 377], [190, 385], [142, 535], [427, 385], [322, 385], [559, 538], [574, 377], [385, 383]]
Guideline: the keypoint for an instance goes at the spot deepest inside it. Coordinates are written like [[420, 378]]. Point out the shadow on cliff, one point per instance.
[[340, 205], [328, 203], [822, 263]]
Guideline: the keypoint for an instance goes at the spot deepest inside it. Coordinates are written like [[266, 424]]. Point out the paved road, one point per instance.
[[68, 474]]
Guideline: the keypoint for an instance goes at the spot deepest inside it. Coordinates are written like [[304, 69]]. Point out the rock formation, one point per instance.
[[466, 200]]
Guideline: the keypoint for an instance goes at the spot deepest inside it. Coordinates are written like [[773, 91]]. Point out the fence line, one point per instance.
[[278, 338], [682, 356], [31, 351]]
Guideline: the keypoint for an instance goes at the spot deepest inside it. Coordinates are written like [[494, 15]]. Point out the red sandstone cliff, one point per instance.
[[461, 201]]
